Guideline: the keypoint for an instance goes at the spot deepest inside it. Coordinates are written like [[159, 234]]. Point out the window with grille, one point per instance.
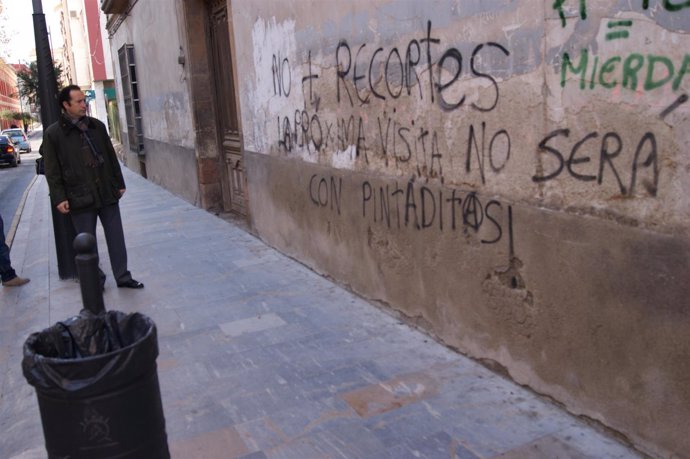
[[130, 94]]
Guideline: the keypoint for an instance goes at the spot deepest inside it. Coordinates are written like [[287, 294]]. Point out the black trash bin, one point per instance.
[[97, 387]]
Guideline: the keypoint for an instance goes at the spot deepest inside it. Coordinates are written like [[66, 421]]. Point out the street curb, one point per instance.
[[18, 214]]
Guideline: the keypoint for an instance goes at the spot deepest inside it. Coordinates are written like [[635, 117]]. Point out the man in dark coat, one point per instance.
[[85, 179]]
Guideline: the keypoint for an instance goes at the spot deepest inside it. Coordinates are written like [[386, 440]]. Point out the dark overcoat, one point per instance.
[[70, 172]]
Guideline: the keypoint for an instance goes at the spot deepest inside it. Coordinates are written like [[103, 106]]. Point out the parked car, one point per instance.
[[9, 155], [19, 139]]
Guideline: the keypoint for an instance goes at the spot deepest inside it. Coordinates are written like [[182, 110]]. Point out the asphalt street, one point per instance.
[[14, 182]]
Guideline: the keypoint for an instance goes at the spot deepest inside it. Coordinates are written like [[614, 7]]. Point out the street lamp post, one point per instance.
[[47, 82], [50, 113]]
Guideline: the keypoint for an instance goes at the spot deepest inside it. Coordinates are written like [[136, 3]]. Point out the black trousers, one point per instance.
[[85, 222], [6, 271]]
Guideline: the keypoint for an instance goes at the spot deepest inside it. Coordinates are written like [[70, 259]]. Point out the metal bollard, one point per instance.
[[87, 268]]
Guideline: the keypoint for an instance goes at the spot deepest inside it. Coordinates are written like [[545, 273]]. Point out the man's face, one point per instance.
[[76, 107]]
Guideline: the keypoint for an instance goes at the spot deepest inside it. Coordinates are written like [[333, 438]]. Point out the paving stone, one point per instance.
[[436, 446], [253, 324], [291, 423], [219, 444]]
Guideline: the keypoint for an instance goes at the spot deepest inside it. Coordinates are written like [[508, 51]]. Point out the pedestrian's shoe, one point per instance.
[[16, 282], [131, 284]]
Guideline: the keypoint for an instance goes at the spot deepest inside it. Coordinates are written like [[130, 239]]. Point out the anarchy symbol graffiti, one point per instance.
[[472, 212]]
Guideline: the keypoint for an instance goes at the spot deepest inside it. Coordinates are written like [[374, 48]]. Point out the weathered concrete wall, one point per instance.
[[512, 176], [164, 97], [173, 167]]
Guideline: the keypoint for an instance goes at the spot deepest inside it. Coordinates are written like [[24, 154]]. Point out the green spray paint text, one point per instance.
[[627, 71]]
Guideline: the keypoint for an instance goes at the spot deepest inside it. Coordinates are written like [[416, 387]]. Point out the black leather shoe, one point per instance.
[[131, 284]]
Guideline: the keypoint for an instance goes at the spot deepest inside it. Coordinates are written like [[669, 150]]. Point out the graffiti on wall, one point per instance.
[[388, 103], [397, 142], [400, 76], [370, 82], [668, 5], [358, 84], [366, 75], [411, 205], [611, 145], [632, 71]]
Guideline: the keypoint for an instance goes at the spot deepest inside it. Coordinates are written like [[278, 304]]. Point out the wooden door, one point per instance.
[[229, 138]]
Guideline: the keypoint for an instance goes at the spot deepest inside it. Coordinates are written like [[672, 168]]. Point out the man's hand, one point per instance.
[[63, 207], [122, 192]]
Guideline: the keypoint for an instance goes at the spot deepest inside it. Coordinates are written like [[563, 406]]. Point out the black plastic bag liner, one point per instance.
[[97, 387], [88, 354]]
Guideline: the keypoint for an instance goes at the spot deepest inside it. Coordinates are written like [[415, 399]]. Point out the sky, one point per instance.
[[19, 27]]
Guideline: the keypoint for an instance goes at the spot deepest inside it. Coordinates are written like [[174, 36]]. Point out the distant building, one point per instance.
[[24, 104], [9, 97], [85, 56], [19, 68]]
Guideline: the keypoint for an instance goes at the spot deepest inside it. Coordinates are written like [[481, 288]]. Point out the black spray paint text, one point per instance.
[[417, 207], [357, 68], [606, 152], [397, 141], [420, 207]]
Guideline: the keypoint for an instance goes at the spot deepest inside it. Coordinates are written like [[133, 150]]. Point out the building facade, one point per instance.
[[511, 177], [9, 95], [86, 58], [24, 104]]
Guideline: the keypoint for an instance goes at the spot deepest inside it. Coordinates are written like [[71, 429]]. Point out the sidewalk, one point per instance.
[[262, 358]]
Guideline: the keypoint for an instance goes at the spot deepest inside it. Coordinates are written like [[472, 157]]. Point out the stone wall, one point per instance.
[[511, 176], [164, 98]]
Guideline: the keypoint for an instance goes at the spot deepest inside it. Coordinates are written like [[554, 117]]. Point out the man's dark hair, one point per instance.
[[65, 96]]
